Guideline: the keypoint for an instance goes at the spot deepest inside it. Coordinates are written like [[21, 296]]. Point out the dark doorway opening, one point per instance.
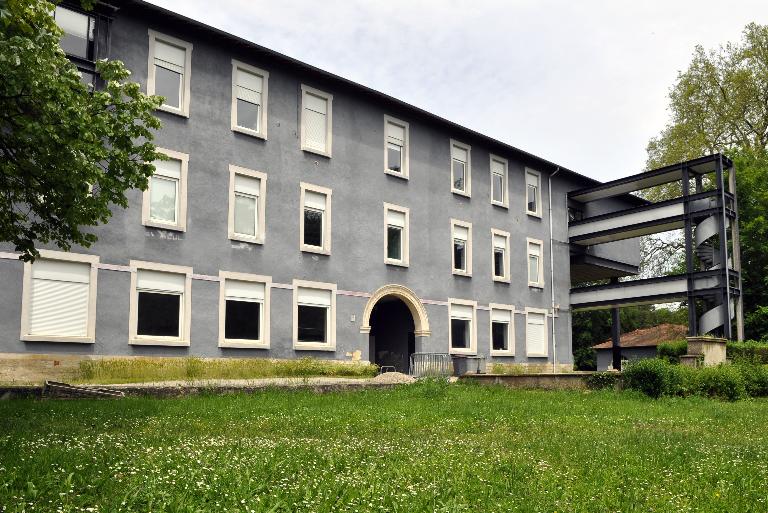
[[392, 340]]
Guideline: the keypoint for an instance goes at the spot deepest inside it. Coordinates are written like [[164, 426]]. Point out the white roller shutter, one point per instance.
[[460, 232], [247, 185], [500, 315], [536, 334], [59, 298], [315, 121], [170, 168], [169, 56], [499, 242], [314, 200], [238, 289], [318, 297], [462, 312], [396, 133], [459, 154], [497, 167], [395, 218], [249, 86], [160, 281], [534, 249], [532, 179]]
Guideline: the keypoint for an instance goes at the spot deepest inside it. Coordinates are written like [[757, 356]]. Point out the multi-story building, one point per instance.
[[301, 214]]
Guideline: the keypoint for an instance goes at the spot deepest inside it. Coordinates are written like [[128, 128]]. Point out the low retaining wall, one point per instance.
[[543, 381]]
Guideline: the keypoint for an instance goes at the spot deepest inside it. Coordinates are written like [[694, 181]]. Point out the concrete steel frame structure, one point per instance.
[[354, 267]]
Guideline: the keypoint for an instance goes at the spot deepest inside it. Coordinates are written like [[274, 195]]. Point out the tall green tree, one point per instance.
[[720, 104], [67, 154]]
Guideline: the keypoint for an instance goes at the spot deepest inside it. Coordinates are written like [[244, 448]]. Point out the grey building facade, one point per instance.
[[298, 234]]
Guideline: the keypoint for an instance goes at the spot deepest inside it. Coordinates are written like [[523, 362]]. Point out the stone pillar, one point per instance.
[[709, 349]]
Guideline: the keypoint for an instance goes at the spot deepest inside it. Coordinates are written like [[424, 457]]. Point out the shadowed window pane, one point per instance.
[[245, 214], [168, 85], [460, 333], [499, 334], [158, 314], [242, 320], [498, 188], [313, 227], [533, 268], [459, 261], [498, 262], [458, 175], [395, 157], [312, 323], [532, 207], [162, 199], [394, 242], [247, 115]]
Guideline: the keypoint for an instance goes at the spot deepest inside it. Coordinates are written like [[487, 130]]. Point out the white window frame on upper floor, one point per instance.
[[537, 212], [186, 305], [404, 237], [472, 349], [505, 181], [528, 242], [389, 120], [467, 248], [327, 223], [181, 196], [26, 298], [305, 90], [187, 77], [510, 351], [264, 75], [261, 207], [467, 169], [545, 313], [330, 345], [266, 281], [507, 274]]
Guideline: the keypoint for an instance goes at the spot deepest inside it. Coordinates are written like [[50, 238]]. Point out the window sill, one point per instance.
[[158, 341], [244, 344], [397, 263], [252, 133], [54, 338], [536, 285], [246, 238], [458, 192], [315, 249], [312, 346], [537, 355], [507, 354], [498, 279], [466, 352], [163, 226], [316, 151], [173, 110], [465, 274], [534, 214], [500, 205], [402, 176]]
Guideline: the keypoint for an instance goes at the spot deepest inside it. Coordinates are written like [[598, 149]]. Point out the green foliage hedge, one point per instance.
[[602, 380], [658, 377], [749, 350], [672, 351]]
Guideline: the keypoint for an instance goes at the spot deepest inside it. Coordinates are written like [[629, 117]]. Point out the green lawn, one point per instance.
[[426, 447]]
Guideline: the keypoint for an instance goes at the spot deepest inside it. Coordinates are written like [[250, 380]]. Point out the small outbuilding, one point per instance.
[[639, 343]]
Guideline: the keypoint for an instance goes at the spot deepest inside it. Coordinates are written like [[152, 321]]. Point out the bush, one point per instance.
[[672, 351], [755, 378], [723, 381], [602, 380], [652, 376], [748, 351]]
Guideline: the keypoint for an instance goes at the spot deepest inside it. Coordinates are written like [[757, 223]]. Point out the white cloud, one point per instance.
[[582, 83]]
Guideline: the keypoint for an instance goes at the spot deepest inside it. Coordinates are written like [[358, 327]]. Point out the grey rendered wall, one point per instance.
[[605, 357], [355, 173]]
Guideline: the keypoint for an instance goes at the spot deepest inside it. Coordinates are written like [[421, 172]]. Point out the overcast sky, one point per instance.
[[583, 84]]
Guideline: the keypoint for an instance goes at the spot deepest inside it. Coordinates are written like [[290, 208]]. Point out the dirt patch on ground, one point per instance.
[[393, 378]]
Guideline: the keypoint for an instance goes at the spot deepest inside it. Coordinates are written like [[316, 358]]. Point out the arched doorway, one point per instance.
[[393, 318]]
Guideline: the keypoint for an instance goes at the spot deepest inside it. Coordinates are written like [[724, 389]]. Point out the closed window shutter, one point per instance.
[[536, 334], [169, 56], [238, 289], [461, 312], [461, 232], [247, 185], [498, 315], [396, 134], [314, 200], [60, 298], [316, 297], [170, 168], [499, 242], [459, 154], [249, 86], [315, 122], [396, 218], [160, 281]]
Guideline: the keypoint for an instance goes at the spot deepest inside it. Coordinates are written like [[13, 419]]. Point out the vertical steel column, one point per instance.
[[736, 239], [616, 333], [693, 319], [722, 226]]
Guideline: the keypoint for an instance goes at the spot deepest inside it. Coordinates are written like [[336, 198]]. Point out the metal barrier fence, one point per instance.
[[431, 364]]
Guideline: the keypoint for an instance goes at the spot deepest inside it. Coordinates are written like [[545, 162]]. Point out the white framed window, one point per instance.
[[161, 304], [532, 192], [247, 205], [502, 330], [249, 99], [396, 234], [500, 255], [396, 147], [461, 168], [59, 298], [316, 121], [244, 310], [536, 334], [535, 263], [170, 65], [315, 227], [461, 247], [314, 316], [462, 332], [164, 202], [499, 181]]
